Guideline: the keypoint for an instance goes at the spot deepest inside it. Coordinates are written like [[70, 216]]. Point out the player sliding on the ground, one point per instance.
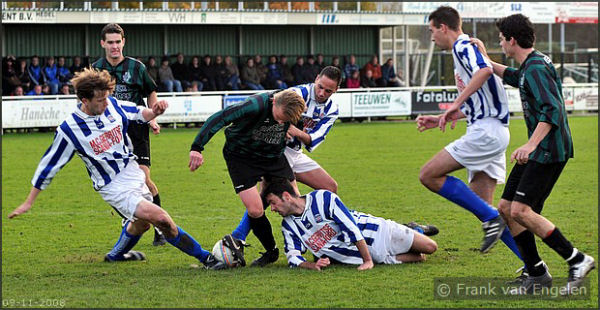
[[321, 223], [97, 132]]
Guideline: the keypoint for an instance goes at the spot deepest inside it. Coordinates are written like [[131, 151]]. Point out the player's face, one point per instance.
[[278, 114], [113, 45], [279, 205], [96, 105], [324, 88], [438, 36], [504, 44]]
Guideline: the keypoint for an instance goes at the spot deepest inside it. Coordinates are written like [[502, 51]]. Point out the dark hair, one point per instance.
[[277, 186], [112, 28], [447, 16], [333, 73], [519, 27]]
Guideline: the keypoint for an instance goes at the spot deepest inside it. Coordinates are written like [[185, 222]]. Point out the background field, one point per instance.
[[56, 250]]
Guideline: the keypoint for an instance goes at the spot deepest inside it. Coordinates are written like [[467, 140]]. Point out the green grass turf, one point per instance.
[[55, 251]]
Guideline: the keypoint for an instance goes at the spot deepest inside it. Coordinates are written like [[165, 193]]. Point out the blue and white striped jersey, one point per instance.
[[328, 228], [317, 120], [488, 101], [101, 141]]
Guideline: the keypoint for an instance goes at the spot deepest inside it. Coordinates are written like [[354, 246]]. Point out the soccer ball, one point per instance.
[[224, 254]]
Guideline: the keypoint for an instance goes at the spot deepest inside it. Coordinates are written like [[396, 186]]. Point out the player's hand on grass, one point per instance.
[[521, 155], [155, 126], [366, 265], [480, 46], [159, 107], [196, 160], [24, 207], [425, 122], [322, 263]]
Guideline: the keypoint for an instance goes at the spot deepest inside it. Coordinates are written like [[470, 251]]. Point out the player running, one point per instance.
[[321, 223], [541, 160], [483, 102], [97, 132], [133, 84]]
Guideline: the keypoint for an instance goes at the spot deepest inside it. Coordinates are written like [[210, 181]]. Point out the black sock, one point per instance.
[[526, 244], [557, 241], [156, 199], [262, 230]]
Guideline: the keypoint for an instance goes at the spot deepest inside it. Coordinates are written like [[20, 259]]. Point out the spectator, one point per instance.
[[10, 80], [389, 74], [65, 90], [312, 69], [320, 62], [208, 73], [221, 73], [250, 76], [35, 71], [166, 77], [261, 69], [64, 74], [367, 80], [23, 74], [351, 66], [353, 81], [36, 91], [299, 71], [375, 68], [18, 91], [50, 74], [274, 75], [77, 65], [192, 88], [233, 74], [288, 78], [46, 90], [196, 73], [335, 62], [181, 71], [152, 69]]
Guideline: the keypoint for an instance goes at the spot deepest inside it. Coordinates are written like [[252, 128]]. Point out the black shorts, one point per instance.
[[532, 183], [140, 139], [246, 172]]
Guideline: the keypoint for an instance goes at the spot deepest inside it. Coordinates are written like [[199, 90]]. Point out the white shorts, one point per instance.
[[299, 162], [391, 239], [483, 148], [126, 190]]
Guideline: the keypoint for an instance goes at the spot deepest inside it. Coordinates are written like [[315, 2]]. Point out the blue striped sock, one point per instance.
[[125, 243], [510, 242], [458, 192], [243, 228], [188, 245]]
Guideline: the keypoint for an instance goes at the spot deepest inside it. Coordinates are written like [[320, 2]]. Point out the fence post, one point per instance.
[[562, 65], [589, 78]]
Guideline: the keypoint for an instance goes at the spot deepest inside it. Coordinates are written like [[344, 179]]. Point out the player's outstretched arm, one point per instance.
[[498, 68], [366, 256], [425, 122], [152, 99], [318, 265], [25, 206]]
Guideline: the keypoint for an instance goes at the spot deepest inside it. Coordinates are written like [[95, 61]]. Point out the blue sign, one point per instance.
[[233, 99]]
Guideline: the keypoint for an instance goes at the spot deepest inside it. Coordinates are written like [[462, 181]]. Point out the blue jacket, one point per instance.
[[50, 74]]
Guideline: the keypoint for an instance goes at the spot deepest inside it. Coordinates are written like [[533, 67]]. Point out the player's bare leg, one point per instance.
[[317, 179], [423, 244], [434, 176], [484, 186], [260, 225], [411, 257], [159, 239]]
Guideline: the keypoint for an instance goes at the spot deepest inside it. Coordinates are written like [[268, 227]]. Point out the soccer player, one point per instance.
[[96, 131], [253, 151], [133, 84], [483, 102], [541, 160], [321, 223], [310, 132]]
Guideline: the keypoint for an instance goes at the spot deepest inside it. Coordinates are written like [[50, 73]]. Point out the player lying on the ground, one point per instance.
[[97, 132], [321, 223]]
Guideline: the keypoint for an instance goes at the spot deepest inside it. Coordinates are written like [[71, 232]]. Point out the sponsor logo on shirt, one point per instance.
[[105, 141], [321, 237]]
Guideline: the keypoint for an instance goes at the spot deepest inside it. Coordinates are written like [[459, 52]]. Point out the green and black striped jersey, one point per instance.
[[253, 133], [132, 80], [541, 95]]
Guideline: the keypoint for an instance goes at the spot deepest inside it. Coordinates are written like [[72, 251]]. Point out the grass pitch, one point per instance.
[[52, 256]]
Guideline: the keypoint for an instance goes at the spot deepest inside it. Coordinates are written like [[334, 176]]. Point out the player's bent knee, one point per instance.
[[164, 222], [519, 211], [255, 213], [430, 247], [332, 186]]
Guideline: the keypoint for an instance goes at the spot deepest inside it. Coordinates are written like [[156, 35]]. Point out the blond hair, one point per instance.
[[88, 81], [291, 104]]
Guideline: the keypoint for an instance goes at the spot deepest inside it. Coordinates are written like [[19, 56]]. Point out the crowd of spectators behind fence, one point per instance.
[[28, 76]]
